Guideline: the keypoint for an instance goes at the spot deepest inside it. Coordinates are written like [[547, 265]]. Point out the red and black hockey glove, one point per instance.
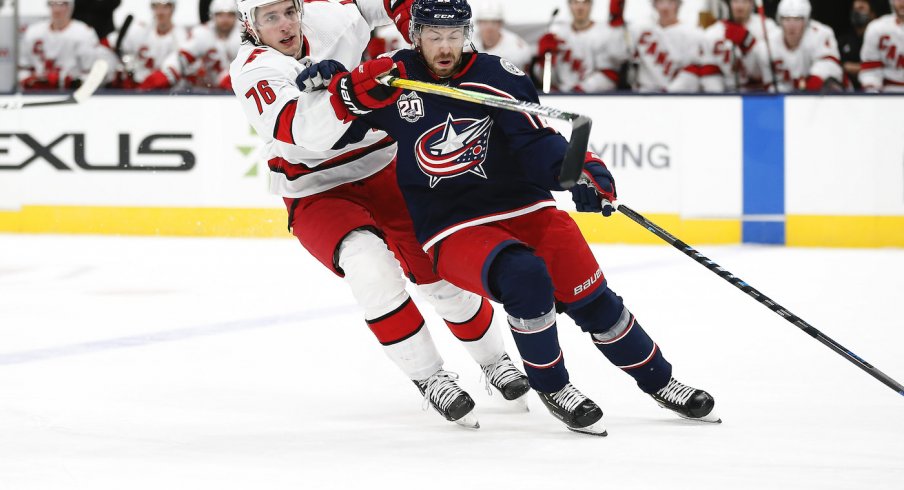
[[549, 43], [400, 13], [357, 93], [739, 36], [595, 190]]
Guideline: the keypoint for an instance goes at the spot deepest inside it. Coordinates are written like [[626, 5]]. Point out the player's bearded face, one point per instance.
[[441, 48], [793, 28], [898, 8], [279, 26], [224, 21]]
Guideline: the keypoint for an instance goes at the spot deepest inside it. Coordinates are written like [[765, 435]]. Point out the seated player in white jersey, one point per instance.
[[735, 56], [587, 56], [493, 38], [203, 61], [146, 46], [667, 52], [805, 52], [339, 187], [882, 54], [477, 182], [57, 53]]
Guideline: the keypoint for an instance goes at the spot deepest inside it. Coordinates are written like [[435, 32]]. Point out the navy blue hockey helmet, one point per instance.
[[439, 13]]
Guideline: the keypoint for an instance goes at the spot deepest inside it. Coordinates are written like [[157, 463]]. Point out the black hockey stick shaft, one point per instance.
[[761, 298], [121, 36]]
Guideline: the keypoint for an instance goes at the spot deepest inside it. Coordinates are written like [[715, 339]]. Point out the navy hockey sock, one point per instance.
[[521, 282], [616, 333]]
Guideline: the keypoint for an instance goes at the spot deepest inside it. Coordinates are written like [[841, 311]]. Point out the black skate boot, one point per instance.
[[442, 392], [578, 412], [687, 401], [508, 380]]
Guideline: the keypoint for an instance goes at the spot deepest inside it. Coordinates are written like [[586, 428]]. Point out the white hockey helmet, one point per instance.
[[489, 10], [794, 8], [163, 2], [247, 8], [220, 6]]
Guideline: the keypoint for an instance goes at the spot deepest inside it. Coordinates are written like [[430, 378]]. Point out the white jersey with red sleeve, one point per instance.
[[668, 59], [510, 47], [728, 67], [815, 60], [57, 55], [590, 59], [147, 48], [300, 131], [882, 55], [205, 57]]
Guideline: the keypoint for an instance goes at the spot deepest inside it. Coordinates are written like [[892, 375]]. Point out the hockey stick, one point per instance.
[[761, 298], [121, 37], [547, 58], [89, 85], [580, 125], [762, 13]]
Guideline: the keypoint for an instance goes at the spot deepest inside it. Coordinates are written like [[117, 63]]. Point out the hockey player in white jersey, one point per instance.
[[493, 38], [57, 53], [587, 55], [805, 52], [735, 56], [339, 186], [882, 54], [668, 53], [203, 61], [145, 47]]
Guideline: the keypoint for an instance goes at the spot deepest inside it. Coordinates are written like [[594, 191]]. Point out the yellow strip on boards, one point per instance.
[[220, 222], [620, 229], [845, 231]]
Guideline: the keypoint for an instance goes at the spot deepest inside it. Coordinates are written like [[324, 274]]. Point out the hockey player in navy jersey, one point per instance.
[[477, 183]]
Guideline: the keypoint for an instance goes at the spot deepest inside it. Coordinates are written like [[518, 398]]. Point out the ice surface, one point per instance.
[[152, 363]]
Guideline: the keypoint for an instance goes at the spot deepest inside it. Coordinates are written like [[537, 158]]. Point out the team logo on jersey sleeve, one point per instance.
[[411, 107], [510, 67], [453, 148]]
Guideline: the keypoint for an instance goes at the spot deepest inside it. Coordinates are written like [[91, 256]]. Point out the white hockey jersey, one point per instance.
[[727, 68], [669, 58], [301, 130], [815, 58], [590, 58], [57, 55], [510, 46], [204, 59], [882, 55], [146, 49]]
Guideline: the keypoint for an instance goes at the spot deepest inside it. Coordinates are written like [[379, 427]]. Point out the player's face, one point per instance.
[[741, 10], [224, 21], [490, 32], [580, 10], [60, 12], [667, 10], [793, 28], [163, 12], [898, 7], [441, 48], [279, 26]]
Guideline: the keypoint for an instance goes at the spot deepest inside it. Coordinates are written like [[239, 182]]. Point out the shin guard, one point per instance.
[[629, 347], [538, 342]]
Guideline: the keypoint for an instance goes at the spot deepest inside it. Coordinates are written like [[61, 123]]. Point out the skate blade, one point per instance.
[[519, 404], [710, 418], [469, 420], [595, 429]]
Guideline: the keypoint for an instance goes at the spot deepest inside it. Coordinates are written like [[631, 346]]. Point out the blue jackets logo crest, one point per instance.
[[453, 148]]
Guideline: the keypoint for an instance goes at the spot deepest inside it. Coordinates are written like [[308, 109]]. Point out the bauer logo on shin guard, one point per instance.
[[588, 283]]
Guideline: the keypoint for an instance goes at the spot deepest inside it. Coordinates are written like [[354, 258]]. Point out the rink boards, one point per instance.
[[801, 171]]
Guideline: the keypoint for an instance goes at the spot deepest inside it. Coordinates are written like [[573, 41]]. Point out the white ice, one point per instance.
[[165, 363]]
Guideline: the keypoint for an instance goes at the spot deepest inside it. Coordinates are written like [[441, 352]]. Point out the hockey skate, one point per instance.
[[442, 392], [511, 383], [688, 402], [579, 413]]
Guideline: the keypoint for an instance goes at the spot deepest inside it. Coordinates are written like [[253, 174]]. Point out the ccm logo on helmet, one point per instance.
[[589, 282], [443, 16]]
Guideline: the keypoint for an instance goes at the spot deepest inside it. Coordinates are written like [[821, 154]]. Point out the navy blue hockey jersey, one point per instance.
[[462, 164]]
